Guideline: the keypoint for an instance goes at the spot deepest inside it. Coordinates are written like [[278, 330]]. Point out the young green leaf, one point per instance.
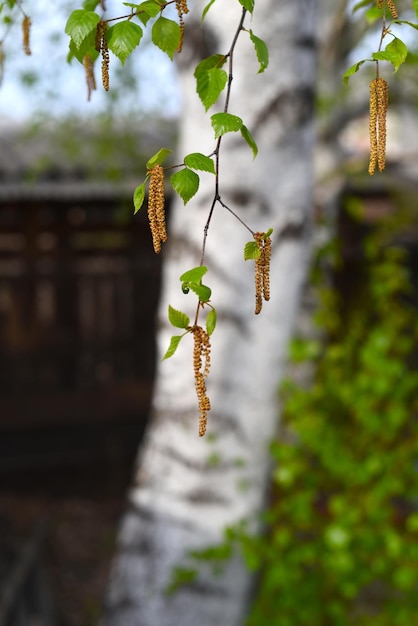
[[225, 123], [139, 195], [261, 51], [86, 47], [145, 10], [395, 52], [211, 321], [268, 233], [210, 85], [198, 161], [412, 24], [123, 38], [185, 183], [80, 24], [90, 5], [362, 4], [373, 14], [247, 4], [202, 291], [249, 139], [174, 343], [178, 318], [352, 70], [158, 158], [415, 5], [206, 9], [251, 251], [166, 35], [194, 275]]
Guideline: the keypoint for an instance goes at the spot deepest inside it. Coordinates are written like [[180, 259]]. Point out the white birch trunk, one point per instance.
[[188, 488]]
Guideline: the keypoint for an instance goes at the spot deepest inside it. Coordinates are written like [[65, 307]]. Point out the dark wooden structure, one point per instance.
[[78, 291]]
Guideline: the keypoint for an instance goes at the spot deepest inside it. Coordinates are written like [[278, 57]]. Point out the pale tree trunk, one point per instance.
[[188, 488]]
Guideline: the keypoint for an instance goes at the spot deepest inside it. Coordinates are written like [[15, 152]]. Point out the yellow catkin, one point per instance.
[[262, 271], [156, 210], [105, 55], [379, 98], [266, 272], [373, 127], [89, 72], [382, 107], [26, 24], [201, 366], [392, 9], [182, 9], [379, 4]]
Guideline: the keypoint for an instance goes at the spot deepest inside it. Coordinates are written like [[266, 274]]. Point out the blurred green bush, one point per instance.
[[341, 541]]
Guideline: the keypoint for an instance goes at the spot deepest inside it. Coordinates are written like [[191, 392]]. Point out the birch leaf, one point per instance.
[[249, 139], [198, 161], [174, 343], [178, 318], [194, 275], [80, 24], [123, 38], [185, 183], [166, 35], [139, 195], [210, 321], [261, 51], [225, 123]]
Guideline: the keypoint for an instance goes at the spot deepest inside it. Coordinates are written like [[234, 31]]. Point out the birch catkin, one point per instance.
[[379, 97], [156, 210], [262, 271], [26, 25], [201, 366]]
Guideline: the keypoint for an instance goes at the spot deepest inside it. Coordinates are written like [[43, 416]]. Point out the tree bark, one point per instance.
[[187, 489]]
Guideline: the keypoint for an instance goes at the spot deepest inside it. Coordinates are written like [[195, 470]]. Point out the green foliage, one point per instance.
[[80, 25], [343, 541], [396, 51], [210, 79], [123, 38], [225, 123], [198, 161], [185, 183], [166, 35], [261, 51]]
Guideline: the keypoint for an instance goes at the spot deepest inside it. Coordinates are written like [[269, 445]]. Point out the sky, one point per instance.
[[59, 87]]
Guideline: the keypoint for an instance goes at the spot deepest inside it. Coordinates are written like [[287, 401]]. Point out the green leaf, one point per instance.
[[362, 4], [123, 38], [194, 275], [139, 196], [210, 79], [352, 70], [80, 24], [90, 5], [415, 5], [268, 233], [178, 318], [373, 14], [202, 291], [185, 183], [247, 4], [395, 52], [158, 158], [145, 10], [198, 161], [87, 47], [408, 23], [206, 9], [261, 51], [211, 321], [251, 251], [225, 123], [174, 343], [166, 35], [249, 139]]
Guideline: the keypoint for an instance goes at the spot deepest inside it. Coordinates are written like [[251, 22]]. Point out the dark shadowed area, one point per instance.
[[79, 286]]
